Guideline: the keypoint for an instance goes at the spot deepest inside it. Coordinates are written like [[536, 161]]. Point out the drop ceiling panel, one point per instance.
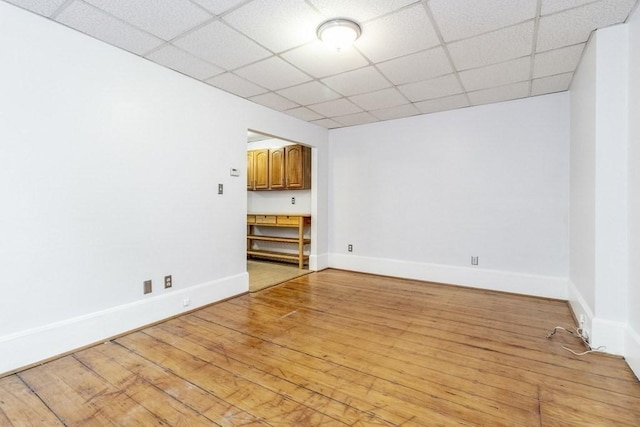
[[357, 81], [237, 85], [318, 61], [218, 6], [309, 93], [381, 99], [442, 104], [491, 48], [551, 6], [575, 25], [96, 23], [496, 75], [273, 73], [221, 45], [303, 113], [327, 123], [41, 7], [359, 10], [400, 111], [355, 119], [274, 101], [557, 61], [166, 21], [278, 25], [551, 84], [418, 66], [179, 60], [434, 88], [339, 107], [403, 32], [498, 94], [460, 19]]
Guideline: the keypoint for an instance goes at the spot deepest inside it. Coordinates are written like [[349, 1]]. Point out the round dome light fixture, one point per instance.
[[339, 33]]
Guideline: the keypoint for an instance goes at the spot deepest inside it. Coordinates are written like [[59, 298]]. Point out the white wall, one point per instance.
[[417, 197], [599, 187], [109, 167], [632, 343]]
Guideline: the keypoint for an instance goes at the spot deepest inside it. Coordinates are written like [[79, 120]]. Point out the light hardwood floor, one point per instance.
[[266, 274], [337, 348]]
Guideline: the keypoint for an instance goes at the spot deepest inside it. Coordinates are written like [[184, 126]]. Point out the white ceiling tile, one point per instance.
[[275, 101], [395, 112], [359, 10], [317, 60], [339, 107], [96, 23], [221, 45], [498, 94], [327, 123], [229, 82], [381, 99], [42, 7], [164, 19], [218, 6], [355, 119], [491, 48], [442, 104], [303, 113], [496, 75], [406, 31], [179, 60], [273, 73], [575, 25], [551, 84], [309, 93], [418, 66], [434, 88], [237, 85], [278, 25], [459, 19], [557, 61], [551, 6], [357, 81]]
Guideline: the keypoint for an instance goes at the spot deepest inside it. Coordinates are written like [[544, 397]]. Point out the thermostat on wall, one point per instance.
[[235, 172]]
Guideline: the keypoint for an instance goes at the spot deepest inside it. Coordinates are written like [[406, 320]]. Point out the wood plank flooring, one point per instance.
[[337, 348]]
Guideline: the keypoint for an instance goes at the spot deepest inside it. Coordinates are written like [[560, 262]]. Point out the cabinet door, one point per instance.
[[298, 166], [277, 168], [261, 169], [250, 170]]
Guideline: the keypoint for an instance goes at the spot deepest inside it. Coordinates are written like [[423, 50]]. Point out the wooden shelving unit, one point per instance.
[[298, 222]]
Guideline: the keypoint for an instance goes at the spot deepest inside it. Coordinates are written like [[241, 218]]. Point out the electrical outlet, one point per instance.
[[186, 302], [581, 322], [293, 200], [350, 248], [474, 260], [168, 282], [147, 287]]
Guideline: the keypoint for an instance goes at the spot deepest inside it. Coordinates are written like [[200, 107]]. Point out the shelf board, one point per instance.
[[278, 255], [278, 239]]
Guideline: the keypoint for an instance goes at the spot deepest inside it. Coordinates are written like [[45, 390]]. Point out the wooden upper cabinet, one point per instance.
[[277, 168], [258, 169], [285, 168], [298, 167]]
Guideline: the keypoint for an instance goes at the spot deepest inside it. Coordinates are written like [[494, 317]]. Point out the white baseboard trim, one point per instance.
[[542, 286], [31, 346], [610, 334], [632, 350], [318, 262]]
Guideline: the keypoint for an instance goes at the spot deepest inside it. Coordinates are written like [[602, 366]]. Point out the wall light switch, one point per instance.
[[220, 189]]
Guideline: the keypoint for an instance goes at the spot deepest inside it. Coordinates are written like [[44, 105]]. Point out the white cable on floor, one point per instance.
[[577, 333]]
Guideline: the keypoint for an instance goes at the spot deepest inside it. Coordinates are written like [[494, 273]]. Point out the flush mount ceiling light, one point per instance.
[[339, 34]]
